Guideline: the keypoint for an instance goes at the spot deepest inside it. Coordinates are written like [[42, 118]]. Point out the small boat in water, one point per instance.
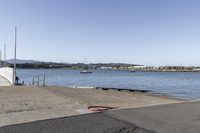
[[133, 71], [85, 69], [85, 72]]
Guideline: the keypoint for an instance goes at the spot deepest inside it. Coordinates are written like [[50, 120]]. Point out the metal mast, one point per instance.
[[4, 55], [1, 59], [15, 54]]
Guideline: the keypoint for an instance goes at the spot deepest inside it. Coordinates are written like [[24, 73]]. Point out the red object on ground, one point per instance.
[[99, 108]]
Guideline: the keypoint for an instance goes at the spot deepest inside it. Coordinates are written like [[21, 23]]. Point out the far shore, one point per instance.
[[197, 71]]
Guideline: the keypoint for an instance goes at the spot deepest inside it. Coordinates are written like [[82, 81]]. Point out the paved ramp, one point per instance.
[[90, 123], [171, 118], [4, 82], [22, 104]]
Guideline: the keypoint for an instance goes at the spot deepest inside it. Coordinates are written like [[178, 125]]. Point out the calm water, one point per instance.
[[184, 85]]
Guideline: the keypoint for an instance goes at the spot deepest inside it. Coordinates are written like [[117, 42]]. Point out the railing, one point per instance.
[[41, 78]]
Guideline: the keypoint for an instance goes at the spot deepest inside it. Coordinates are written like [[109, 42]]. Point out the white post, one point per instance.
[[4, 55], [15, 54], [0, 58]]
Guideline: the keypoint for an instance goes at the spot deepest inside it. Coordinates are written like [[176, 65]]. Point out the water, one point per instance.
[[179, 84]]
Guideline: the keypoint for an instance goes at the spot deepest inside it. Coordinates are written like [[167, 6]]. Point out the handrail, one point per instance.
[[38, 79]]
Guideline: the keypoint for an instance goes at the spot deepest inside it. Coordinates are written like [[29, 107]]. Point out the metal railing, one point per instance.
[[38, 79]]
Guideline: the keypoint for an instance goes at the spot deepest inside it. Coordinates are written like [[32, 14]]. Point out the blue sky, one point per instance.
[[150, 32]]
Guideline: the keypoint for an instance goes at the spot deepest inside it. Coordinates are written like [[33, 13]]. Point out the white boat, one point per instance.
[[85, 72], [133, 71]]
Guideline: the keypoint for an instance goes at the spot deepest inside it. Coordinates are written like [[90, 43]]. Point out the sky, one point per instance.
[[149, 32]]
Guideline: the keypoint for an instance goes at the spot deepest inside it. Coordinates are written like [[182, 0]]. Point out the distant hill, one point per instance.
[[34, 64], [18, 61]]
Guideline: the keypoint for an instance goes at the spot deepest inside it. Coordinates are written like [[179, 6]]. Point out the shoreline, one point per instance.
[[112, 70], [139, 91]]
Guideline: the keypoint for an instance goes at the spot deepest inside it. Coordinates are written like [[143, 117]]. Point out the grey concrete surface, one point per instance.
[[172, 118], [22, 104], [91, 123]]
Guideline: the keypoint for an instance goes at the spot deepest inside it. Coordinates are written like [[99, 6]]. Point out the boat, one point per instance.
[[133, 71], [85, 72]]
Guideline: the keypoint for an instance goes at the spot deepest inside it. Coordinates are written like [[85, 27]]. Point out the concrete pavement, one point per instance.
[[90, 123], [47, 109], [171, 118], [22, 104]]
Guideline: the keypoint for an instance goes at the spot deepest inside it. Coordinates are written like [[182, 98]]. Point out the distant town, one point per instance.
[[30, 64]]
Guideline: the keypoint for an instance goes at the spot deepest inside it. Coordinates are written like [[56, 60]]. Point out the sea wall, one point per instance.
[[7, 73]]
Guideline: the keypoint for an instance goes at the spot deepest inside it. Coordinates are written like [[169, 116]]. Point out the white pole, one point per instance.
[[0, 58], [4, 55], [15, 51]]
